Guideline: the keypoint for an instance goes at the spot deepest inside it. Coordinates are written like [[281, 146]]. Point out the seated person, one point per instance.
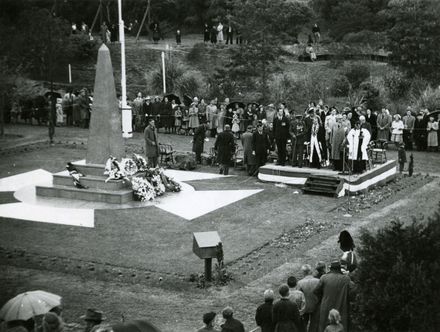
[[310, 52]]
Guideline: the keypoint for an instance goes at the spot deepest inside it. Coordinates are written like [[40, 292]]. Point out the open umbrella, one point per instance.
[[232, 105], [29, 304], [140, 325], [172, 96]]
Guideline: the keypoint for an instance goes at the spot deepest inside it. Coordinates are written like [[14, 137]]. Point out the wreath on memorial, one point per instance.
[[145, 188]]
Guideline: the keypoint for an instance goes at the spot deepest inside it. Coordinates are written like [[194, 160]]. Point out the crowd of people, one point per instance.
[[318, 302], [319, 136]]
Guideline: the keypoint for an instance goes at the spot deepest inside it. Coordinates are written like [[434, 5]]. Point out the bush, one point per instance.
[[372, 97], [197, 53], [173, 72], [340, 86], [397, 84], [80, 47], [356, 74], [430, 99], [192, 83], [397, 278], [365, 37]]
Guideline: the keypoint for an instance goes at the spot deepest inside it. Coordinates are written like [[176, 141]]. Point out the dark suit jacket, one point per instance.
[[151, 145], [232, 325], [286, 316], [280, 128], [263, 317], [225, 146]]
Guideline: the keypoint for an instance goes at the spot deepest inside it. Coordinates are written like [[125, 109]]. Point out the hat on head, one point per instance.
[[93, 315], [52, 322], [148, 98], [335, 265], [271, 105], [227, 312], [227, 127], [208, 317]]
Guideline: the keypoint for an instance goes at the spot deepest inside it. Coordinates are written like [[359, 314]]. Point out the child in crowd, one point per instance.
[[236, 125], [334, 319], [185, 121], [177, 119], [402, 157]]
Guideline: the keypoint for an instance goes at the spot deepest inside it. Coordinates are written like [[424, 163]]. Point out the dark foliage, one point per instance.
[[356, 74], [340, 86], [372, 97], [398, 284]]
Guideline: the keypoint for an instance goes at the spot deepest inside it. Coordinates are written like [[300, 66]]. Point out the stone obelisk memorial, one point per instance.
[[105, 133], [105, 140]]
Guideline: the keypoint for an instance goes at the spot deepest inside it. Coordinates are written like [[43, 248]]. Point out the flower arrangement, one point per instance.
[[141, 162], [114, 170], [154, 183], [142, 189]]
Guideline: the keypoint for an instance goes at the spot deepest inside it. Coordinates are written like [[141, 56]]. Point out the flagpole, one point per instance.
[[126, 110], [163, 74]]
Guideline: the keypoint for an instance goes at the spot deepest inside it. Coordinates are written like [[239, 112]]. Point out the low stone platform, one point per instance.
[[380, 174], [112, 191]]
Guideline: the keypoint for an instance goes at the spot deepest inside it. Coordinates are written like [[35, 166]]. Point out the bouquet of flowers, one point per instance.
[[141, 162], [170, 184], [114, 170], [129, 166], [142, 189]]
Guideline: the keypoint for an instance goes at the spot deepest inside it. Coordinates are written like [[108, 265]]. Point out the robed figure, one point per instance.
[[358, 140]]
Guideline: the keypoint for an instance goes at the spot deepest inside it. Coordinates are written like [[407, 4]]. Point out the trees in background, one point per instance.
[[398, 275], [268, 25]]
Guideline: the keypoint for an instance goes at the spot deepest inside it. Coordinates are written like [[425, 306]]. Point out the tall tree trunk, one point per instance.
[[2, 113]]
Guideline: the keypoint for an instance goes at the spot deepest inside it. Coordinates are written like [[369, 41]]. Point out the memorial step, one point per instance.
[[323, 185], [90, 169], [93, 195], [93, 182]]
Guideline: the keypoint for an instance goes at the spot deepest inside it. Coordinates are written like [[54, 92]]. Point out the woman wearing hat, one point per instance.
[[432, 128], [208, 320], [397, 130]]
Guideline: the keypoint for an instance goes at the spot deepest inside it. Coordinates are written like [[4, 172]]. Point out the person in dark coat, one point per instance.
[[156, 32], [151, 144], [225, 147], [231, 324], [208, 320], [281, 134], [371, 118], [167, 115], [213, 32], [156, 110], [260, 146], [206, 33], [334, 290], [248, 156], [199, 141], [297, 134], [286, 315], [263, 316]]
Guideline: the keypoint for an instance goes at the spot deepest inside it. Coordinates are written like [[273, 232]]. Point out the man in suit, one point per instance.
[[199, 141], [408, 127], [231, 324], [297, 133], [151, 144], [286, 315], [260, 146], [248, 156], [225, 147], [281, 134]]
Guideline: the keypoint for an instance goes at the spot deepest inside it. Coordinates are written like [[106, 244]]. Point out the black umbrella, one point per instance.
[[172, 96], [140, 325], [54, 94], [239, 103], [254, 105], [187, 100]]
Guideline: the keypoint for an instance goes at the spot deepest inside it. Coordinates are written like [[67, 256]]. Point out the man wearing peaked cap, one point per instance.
[[92, 318], [333, 290]]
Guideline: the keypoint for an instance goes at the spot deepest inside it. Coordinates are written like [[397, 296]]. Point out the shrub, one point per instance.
[[372, 97], [197, 53], [192, 83], [398, 275], [397, 84], [365, 37], [356, 74], [340, 86], [173, 71], [80, 47], [429, 98]]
